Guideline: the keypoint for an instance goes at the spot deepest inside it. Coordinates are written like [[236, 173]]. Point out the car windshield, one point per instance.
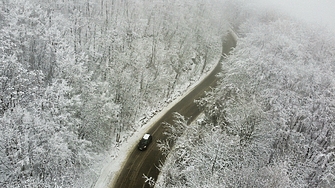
[[144, 141]]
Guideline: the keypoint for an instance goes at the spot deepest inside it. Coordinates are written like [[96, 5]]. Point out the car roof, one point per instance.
[[146, 136]]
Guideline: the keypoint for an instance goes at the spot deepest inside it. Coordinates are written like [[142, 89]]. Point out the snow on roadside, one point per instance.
[[113, 165]]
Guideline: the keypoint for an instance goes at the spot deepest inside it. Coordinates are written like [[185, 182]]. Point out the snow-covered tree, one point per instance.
[[269, 123], [76, 77]]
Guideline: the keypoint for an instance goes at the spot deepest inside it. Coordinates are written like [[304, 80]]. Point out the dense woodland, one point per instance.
[[77, 77], [270, 123]]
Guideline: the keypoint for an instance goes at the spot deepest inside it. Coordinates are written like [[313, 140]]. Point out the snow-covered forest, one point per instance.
[[270, 123], [78, 77]]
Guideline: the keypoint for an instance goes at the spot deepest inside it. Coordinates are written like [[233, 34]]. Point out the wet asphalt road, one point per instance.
[[146, 162]]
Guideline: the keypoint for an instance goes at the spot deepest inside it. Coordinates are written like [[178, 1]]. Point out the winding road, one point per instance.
[[146, 162]]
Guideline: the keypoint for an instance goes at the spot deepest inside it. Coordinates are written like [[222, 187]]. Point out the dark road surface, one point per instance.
[[146, 162]]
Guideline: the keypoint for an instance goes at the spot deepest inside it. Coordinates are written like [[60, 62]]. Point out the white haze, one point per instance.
[[313, 11]]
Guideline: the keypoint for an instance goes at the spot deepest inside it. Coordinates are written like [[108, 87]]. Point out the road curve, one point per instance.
[[146, 162]]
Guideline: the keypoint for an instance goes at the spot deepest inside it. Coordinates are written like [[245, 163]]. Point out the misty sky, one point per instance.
[[315, 11]]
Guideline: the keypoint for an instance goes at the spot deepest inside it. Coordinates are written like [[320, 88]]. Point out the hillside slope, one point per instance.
[[270, 122]]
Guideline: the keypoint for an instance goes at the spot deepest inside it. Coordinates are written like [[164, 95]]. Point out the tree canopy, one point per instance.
[[270, 122], [77, 77]]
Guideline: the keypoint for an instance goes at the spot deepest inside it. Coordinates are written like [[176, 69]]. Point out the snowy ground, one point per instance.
[[114, 164]]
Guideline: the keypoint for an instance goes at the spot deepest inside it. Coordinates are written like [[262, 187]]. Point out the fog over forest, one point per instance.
[[78, 78], [312, 11], [270, 122]]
